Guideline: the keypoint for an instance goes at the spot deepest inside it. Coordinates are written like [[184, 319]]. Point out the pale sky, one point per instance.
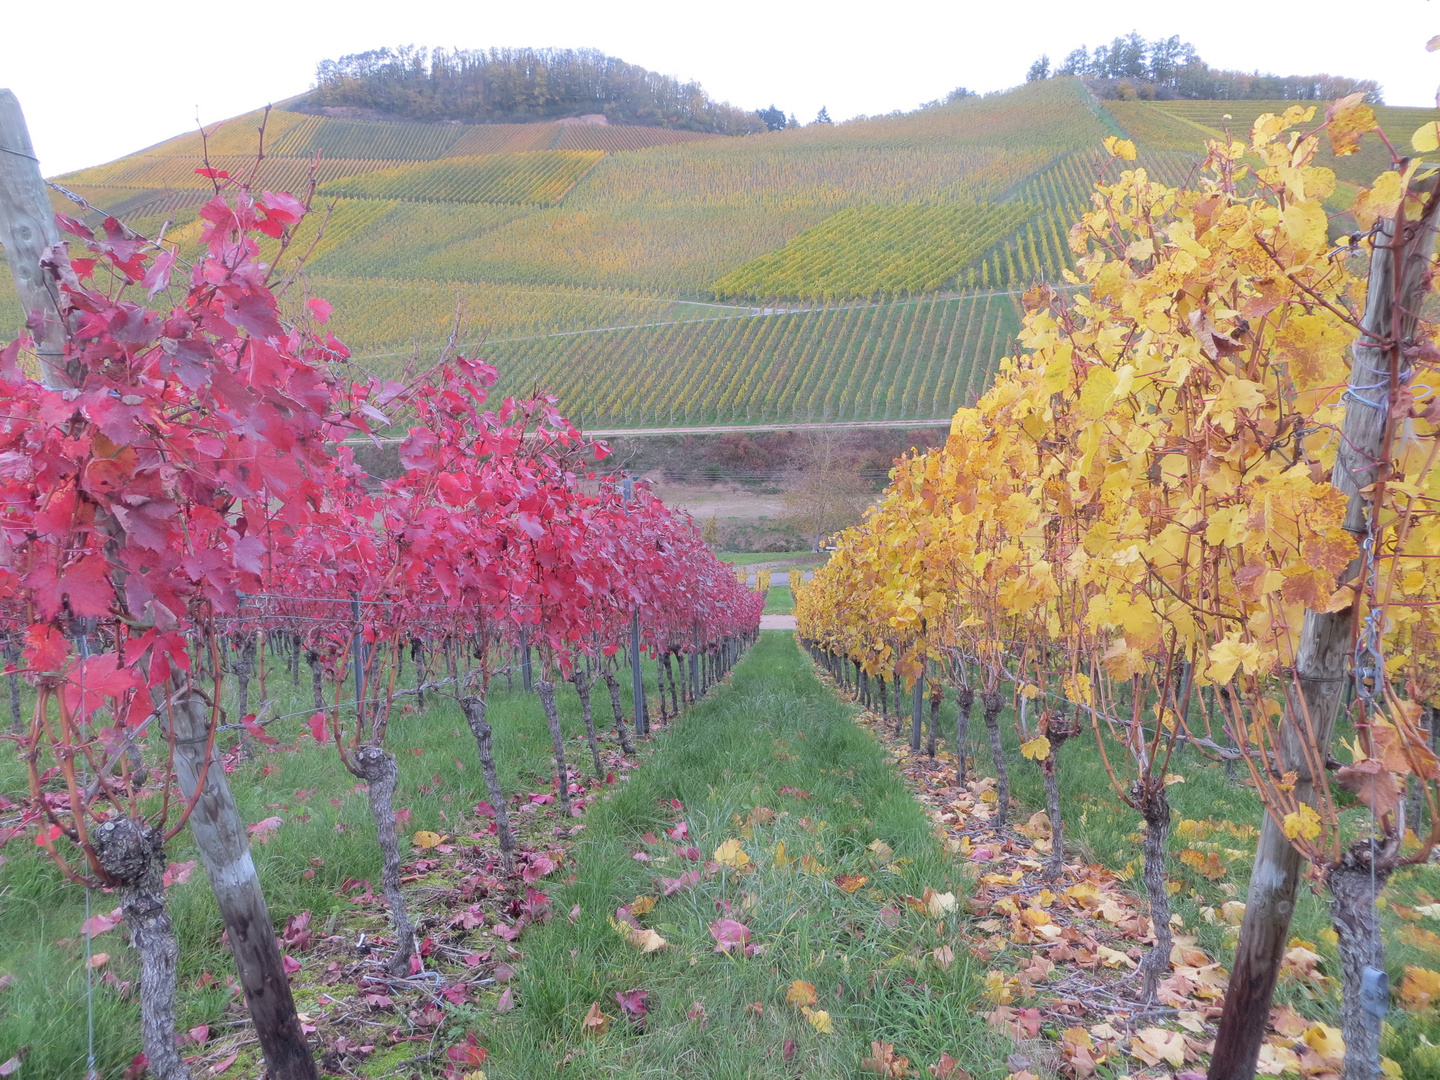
[[120, 77]]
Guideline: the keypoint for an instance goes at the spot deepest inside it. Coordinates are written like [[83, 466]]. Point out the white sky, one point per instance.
[[118, 78]]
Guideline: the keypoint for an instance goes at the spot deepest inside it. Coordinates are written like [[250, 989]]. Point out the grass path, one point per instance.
[[772, 758]]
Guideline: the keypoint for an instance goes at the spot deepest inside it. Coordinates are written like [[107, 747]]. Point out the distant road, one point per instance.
[[721, 429], [777, 622], [716, 429]]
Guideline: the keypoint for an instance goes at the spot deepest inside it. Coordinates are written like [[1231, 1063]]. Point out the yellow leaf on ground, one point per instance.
[[811, 865], [819, 1020], [850, 883], [801, 993], [732, 853], [642, 905], [996, 988], [426, 839], [1113, 958], [781, 859], [1154, 1045], [1326, 1041], [1420, 988], [938, 904], [943, 956]]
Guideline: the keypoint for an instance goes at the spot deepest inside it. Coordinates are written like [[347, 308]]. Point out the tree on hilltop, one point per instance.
[[774, 118]]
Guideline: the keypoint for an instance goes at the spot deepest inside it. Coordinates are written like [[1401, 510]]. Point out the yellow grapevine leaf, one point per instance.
[[1427, 137], [1346, 120], [938, 904], [781, 859], [801, 993], [642, 905], [1037, 749], [426, 839], [1303, 824], [1123, 149]]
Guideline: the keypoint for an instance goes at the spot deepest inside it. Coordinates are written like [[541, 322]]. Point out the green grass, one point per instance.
[[773, 726], [40, 915], [750, 558], [779, 600]]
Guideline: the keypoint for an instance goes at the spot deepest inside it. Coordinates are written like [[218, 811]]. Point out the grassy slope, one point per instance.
[[773, 726], [439, 780]]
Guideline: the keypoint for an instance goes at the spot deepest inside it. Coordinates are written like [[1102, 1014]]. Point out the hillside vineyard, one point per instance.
[[869, 270]]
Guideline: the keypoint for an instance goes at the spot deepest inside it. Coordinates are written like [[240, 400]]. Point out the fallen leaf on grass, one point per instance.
[[732, 853], [819, 1020], [1154, 1045], [850, 883], [728, 933], [98, 924], [642, 905], [938, 904], [1113, 958], [221, 1066], [1420, 988], [801, 993], [670, 886], [506, 1001], [787, 1050], [647, 941], [426, 839], [881, 851], [99, 960], [634, 1004], [595, 1023], [1327, 1042], [885, 1061], [947, 1068], [264, 829], [943, 956], [811, 865]]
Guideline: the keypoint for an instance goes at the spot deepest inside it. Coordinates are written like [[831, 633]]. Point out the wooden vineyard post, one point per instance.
[[1398, 279], [31, 239], [637, 676], [917, 710], [695, 664]]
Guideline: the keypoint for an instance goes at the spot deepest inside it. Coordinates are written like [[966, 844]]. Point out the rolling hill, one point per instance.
[[652, 277]]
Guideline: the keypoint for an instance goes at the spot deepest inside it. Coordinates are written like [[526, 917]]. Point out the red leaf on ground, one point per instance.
[[728, 933], [178, 873], [634, 1004], [98, 924]]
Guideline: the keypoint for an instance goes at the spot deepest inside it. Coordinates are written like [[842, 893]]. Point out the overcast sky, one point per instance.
[[120, 77]]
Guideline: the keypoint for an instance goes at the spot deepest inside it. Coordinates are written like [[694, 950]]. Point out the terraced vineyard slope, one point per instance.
[[864, 270]]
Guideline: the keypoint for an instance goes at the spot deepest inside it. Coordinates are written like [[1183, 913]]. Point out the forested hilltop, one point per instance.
[[497, 86], [1168, 69]]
